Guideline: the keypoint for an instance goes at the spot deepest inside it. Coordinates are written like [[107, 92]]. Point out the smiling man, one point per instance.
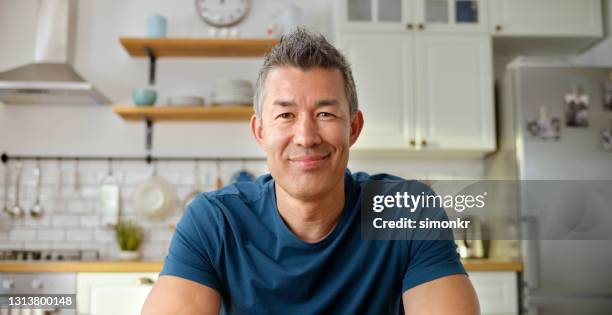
[[290, 242]]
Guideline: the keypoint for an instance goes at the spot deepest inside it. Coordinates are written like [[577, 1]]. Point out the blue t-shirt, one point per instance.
[[235, 241]]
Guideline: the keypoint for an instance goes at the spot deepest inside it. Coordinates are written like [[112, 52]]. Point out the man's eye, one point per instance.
[[325, 115], [285, 116]]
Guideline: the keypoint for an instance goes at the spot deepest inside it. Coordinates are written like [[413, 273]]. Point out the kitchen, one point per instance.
[[190, 155]]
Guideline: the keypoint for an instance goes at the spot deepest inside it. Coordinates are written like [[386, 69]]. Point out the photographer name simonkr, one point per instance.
[[404, 223]]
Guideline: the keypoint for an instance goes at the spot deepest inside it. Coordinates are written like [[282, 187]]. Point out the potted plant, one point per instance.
[[129, 237]]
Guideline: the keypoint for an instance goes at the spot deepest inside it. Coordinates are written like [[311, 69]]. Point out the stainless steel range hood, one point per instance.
[[51, 78]]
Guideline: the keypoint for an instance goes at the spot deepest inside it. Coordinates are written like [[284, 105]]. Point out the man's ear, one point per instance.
[[356, 127], [257, 130]]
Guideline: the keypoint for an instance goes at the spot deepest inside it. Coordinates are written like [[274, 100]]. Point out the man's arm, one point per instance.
[[447, 295], [174, 295]]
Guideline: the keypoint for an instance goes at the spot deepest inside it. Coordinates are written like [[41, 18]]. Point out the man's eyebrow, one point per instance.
[[323, 102]]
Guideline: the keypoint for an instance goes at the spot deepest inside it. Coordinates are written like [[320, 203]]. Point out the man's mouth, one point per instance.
[[308, 162]]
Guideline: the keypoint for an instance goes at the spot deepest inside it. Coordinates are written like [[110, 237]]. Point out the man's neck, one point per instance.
[[311, 220]]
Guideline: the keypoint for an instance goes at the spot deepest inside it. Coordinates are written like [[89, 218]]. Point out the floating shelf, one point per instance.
[[197, 47], [196, 113]]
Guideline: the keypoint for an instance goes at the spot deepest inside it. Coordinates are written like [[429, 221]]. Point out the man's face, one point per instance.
[[306, 129]]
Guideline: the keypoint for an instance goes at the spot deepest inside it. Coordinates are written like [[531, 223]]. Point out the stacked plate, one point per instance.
[[232, 92], [185, 100]]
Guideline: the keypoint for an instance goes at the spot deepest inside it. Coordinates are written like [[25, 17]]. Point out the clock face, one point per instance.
[[222, 12]]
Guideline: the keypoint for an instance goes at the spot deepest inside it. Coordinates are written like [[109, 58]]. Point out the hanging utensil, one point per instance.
[[7, 179], [155, 197], [76, 189], [37, 210], [109, 198], [219, 181], [60, 185], [17, 210]]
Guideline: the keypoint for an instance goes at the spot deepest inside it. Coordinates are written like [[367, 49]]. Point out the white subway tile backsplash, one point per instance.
[[72, 221], [90, 220], [80, 235], [43, 221], [160, 235], [153, 251], [136, 178], [90, 192], [80, 206], [11, 245], [22, 234], [37, 245], [170, 176], [66, 220], [104, 235], [56, 234], [65, 245]]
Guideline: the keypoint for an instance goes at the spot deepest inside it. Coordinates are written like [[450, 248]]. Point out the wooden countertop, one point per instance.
[[93, 266], [156, 266], [492, 265]]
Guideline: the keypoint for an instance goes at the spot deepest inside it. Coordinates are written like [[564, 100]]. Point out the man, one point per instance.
[[290, 243]]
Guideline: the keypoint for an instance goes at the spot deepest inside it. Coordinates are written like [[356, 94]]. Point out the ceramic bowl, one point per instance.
[[144, 96]]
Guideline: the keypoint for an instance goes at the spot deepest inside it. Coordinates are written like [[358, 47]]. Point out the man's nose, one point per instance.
[[306, 132]]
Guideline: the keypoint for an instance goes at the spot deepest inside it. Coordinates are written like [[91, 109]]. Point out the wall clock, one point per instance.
[[222, 13]]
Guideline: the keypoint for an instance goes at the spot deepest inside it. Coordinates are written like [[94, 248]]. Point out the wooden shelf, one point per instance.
[[197, 47], [196, 113]]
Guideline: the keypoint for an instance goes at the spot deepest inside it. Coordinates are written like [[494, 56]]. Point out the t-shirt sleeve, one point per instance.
[[431, 255], [195, 245]]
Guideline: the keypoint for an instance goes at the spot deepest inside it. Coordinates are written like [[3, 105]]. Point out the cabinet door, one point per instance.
[[497, 292], [546, 17], [373, 15], [118, 299], [454, 92], [382, 69], [127, 289], [452, 16]]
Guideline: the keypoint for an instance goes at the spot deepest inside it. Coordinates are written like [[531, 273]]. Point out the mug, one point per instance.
[[156, 26]]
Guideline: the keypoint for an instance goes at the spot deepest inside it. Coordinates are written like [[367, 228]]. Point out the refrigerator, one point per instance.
[[552, 117]]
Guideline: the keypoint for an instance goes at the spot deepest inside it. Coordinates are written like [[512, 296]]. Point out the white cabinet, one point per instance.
[[451, 16], [546, 18], [497, 292], [454, 99], [427, 92], [102, 293], [379, 15]]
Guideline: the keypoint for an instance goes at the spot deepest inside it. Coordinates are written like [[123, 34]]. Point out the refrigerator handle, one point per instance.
[[531, 252]]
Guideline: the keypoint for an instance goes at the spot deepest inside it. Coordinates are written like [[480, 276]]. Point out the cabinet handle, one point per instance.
[[498, 28], [421, 26], [144, 281], [424, 142], [409, 26], [412, 142]]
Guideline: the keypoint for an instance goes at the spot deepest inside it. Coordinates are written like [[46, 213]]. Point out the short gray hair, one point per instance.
[[305, 50]]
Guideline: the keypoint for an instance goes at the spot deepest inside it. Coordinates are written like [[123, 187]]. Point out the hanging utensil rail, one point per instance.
[[148, 158]]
